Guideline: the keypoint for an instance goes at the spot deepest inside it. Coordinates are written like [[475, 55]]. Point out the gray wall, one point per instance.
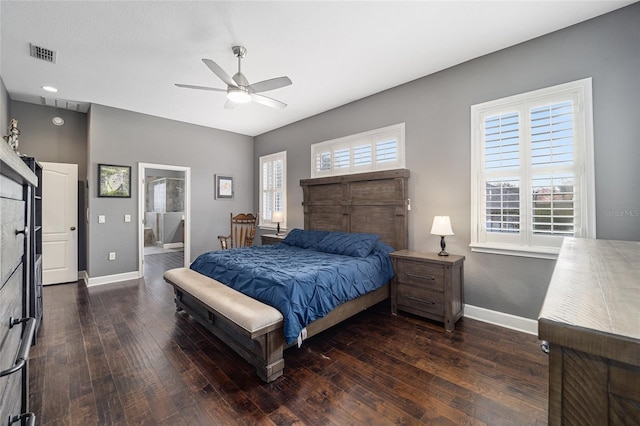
[[4, 109], [436, 110], [39, 138], [127, 138]]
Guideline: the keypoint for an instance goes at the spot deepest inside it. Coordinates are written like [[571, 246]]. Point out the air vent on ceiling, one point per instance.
[[38, 52], [65, 104]]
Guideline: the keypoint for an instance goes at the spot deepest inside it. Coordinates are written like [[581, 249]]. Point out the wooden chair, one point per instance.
[[243, 231]]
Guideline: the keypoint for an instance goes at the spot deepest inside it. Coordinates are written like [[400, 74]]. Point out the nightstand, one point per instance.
[[428, 285], [271, 239]]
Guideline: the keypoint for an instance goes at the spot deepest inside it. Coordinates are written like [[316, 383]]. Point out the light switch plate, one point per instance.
[[101, 219], [127, 218]]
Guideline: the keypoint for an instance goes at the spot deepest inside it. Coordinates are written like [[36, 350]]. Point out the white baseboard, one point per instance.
[[82, 275], [513, 322], [172, 245], [108, 279]]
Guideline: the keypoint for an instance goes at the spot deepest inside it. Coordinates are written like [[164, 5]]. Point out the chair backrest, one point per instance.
[[243, 229]]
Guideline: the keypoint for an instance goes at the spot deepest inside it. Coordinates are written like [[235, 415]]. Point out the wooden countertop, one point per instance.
[[12, 165], [593, 300], [432, 257]]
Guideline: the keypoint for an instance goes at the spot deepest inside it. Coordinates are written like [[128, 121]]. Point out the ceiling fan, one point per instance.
[[238, 90]]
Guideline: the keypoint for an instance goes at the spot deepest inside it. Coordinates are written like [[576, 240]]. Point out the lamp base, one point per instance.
[[442, 246], [278, 229]]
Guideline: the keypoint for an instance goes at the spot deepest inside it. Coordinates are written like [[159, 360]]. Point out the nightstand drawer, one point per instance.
[[428, 285], [420, 274], [271, 239], [421, 298]]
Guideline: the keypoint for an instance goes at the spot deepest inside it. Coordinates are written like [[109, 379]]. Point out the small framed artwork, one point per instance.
[[224, 187], [114, 181]]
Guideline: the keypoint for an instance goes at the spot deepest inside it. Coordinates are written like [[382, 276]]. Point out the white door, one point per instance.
[[59, 223]]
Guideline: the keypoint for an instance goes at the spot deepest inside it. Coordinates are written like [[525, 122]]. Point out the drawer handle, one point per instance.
[[30, 416], [24, 231], [415, 299], [544, 347], [23, 350], [420, 277]]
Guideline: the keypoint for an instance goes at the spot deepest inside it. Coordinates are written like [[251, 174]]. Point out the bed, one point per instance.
[[366, 203]]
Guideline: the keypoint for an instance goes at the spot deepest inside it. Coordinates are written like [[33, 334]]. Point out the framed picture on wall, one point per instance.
[[224, 187], [114, 181]]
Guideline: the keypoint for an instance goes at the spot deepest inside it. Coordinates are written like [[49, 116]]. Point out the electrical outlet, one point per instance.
[[102, 218], [112, 255], [127, 218]]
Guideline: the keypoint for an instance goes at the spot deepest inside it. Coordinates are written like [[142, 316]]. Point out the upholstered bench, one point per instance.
[[251, 328]]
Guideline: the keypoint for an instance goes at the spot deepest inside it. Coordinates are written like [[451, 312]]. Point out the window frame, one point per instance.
[[262, 222], [525, 242], [351, 143]]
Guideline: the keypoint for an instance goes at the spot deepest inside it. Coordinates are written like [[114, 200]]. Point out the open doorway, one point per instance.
[[164, 208]]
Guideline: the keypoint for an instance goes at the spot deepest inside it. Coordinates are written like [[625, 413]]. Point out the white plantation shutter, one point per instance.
[[502, 205], [552, 158], [387, 150], [532, 161], [380, 149], [362, 155], [502, 142], [273, 184]]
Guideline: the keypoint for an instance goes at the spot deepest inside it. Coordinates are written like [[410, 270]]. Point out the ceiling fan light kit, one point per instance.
[[239, 95], [239, 91]]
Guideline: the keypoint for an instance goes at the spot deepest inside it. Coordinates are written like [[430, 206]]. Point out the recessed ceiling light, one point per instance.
[[58, 121], [49, 89]]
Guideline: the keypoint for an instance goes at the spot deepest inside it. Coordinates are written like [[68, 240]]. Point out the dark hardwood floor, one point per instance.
[[119, 354]]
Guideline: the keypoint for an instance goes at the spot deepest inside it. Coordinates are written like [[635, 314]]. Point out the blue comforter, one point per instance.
[[303, 284]]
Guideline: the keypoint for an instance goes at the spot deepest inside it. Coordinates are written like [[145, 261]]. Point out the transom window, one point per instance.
[[380, 149], [532, 171]]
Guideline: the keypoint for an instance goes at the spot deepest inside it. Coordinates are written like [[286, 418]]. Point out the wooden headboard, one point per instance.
[[374, 202]]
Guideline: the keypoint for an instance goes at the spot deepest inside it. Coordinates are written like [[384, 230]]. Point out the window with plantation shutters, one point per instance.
[[273, 188], [532, 171], [380, 149]]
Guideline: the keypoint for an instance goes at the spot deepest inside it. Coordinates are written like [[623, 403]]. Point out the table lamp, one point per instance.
[[277, 217], [442, 226]]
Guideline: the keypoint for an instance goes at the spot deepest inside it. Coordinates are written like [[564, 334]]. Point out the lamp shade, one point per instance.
[[277, 217], [441, 226]]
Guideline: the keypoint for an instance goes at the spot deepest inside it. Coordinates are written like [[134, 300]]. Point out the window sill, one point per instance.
[[520, 251]]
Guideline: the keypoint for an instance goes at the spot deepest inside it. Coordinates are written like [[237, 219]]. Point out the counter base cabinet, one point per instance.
[[428, 285], [16, 328], [589, 319], [590, 390]]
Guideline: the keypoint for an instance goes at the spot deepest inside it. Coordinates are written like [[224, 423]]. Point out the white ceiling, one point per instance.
[[128, 55]]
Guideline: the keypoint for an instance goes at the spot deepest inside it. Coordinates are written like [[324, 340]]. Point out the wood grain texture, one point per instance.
[[119, 354], [15, 178], [590, 318], [374, 202], [428, 285], [13, 167], [592, 301]]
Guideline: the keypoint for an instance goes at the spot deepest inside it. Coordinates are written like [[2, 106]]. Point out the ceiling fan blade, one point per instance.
[[240, 79], [189, 86], [271, 84], [230, 104], [267, 101], [222, 75]]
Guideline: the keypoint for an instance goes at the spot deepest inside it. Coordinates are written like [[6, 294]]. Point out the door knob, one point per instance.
[[73, 228]]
